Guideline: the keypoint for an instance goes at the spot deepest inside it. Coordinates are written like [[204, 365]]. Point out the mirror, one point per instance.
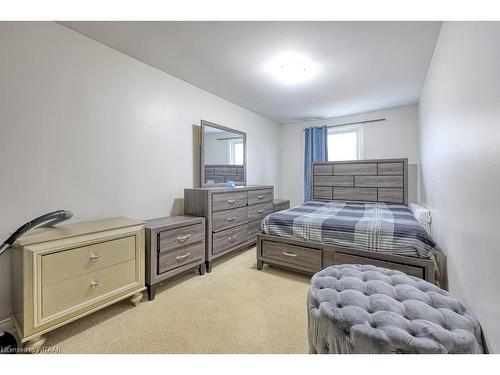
[[223, 155]]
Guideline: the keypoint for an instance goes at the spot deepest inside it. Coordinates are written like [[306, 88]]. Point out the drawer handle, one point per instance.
[[231, 218], [94, 258], [260, 212], [289, 254], [183, 238], [95, 284], [231, 201], [260, 196], [232, 238], [182, 258]]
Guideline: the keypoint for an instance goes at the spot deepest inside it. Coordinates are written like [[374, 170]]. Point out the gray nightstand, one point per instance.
[[281, 204], [173, 245]]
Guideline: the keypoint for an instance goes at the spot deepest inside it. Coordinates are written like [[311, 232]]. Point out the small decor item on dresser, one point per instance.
[[174, 245], [63, 273], [230, 184], [372, 310]]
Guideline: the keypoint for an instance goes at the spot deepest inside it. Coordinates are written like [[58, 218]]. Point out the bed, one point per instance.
[[359, 215]]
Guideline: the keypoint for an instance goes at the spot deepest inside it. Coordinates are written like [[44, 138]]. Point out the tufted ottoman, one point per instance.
[[368, 309]]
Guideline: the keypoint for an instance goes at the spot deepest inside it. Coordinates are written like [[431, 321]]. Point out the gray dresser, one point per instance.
[[232, 216]]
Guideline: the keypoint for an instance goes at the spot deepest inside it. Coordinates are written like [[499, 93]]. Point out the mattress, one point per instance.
[[379, 227]]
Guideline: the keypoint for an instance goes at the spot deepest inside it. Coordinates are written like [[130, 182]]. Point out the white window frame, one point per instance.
[[357, 128]]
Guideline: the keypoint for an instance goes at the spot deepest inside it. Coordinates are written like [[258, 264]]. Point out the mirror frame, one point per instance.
[[205, 123]]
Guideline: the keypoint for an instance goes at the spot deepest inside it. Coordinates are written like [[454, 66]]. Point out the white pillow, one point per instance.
[[422, 214]]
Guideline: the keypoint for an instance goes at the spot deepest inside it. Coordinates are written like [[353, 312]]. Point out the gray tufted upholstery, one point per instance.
[[368, 309]]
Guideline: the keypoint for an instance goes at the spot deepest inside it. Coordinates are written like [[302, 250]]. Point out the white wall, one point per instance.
[[88, 129], [394, 138], [460, 148]]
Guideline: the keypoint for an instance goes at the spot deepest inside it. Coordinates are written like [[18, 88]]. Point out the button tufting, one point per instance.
[[417, 326]]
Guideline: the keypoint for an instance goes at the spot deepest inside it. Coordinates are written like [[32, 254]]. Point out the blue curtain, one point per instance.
[[314, 151]]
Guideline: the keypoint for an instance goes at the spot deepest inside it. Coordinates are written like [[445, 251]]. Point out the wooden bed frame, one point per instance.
[[381, 180]]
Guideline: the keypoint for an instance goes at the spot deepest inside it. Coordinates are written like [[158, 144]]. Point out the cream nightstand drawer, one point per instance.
[[67, 264], [88, 288]]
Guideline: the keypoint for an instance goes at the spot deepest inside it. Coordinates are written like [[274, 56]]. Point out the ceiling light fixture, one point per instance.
[[292, 68]]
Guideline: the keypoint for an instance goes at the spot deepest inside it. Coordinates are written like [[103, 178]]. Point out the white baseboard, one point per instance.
[[6, 324]]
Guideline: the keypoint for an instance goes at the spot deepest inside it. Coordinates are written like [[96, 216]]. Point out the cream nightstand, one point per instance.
[[63, 273]]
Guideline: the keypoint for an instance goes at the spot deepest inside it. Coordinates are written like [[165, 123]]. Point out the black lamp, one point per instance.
[[8, 343]]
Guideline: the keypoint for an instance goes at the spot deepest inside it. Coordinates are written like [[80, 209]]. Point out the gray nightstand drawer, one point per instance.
[[169, 260], [174, 238], [281, 204]]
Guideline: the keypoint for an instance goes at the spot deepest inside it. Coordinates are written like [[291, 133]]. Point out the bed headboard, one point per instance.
[[381, 180]]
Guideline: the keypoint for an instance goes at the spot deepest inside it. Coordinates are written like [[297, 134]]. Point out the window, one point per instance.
[[345, 143], [236, 152]]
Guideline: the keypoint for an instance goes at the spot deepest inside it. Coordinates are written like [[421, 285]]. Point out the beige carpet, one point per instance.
[[233, 309]]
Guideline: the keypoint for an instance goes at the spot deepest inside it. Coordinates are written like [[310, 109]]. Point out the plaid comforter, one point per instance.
[[380, 227]]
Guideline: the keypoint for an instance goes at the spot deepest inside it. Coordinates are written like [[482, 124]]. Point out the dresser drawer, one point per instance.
[[229, 218], [85, 289], [226, 201], [260, 196], [260, 211], [70, 263], [228, 238], [178, 237], [253, 229], [310, 258], [169, 260]]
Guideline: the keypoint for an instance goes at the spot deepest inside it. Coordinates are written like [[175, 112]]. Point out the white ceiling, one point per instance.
[[363, 66]]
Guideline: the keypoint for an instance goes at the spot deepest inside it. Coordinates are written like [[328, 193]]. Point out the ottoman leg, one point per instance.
[[260, 264]]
